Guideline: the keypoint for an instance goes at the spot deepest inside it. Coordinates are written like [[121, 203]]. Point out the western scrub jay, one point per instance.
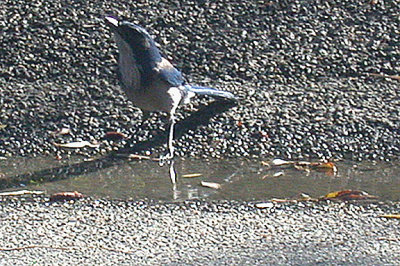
[[149, 80]]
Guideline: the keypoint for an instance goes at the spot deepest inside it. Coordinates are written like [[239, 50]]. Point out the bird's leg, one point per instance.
[[170, 154], [171, 138], [172, 175]]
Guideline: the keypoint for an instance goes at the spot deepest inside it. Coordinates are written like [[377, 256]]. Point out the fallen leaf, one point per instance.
[[66, 196], [281, 200], [278, 174], [135, 157], [78, 144], [396, 77], [276, 162], [210, 185], [192, 175], [388, 238], [302, 166], [142, 157], [62, 131], [319, 118], [390, 216], [2, 126], [305, 197], [280, 162], [348, 195], [115, 136], [264, 205], [326, 167]]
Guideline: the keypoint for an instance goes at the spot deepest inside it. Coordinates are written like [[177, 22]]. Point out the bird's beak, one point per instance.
[[112, 22]]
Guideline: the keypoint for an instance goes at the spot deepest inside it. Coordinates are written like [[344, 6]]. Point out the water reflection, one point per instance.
[[239, 179]]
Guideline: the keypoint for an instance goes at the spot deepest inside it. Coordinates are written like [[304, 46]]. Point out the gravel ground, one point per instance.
[[301, 69], [99, 232]]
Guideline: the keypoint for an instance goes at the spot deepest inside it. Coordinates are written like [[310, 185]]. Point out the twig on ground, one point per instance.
[[21, 192], [64, 248]]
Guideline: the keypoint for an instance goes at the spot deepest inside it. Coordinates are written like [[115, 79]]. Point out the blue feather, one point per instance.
[[172, 75], [211, 92]]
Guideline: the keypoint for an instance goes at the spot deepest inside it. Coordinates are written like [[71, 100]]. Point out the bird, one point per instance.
[[148, 79]]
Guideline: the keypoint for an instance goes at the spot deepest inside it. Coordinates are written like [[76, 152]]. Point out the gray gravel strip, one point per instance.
[[100, 232], [300, 67]]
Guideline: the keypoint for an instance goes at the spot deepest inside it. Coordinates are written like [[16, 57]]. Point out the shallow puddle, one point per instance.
[[239, 179]]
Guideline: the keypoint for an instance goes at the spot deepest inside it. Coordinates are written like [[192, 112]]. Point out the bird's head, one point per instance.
[[134, 35]]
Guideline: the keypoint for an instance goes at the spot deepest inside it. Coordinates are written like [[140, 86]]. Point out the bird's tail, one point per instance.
[[212, 92]]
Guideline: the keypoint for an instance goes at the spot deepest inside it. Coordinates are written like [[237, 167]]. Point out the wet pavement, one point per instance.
[[134, 214], [242, 180]]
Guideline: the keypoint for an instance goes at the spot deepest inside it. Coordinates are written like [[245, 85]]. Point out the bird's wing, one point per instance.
[[211, 92], [130, 72], [168, 73]]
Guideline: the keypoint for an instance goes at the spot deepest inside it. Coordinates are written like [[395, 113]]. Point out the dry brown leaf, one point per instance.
[[210, 185], [2, 126], [142, 157], [390, 216], [302, 167], [136, 157], [349, 195], [395, 77], [66, 196], [192, 175], [115, 136], [326, 167], [78, 144], [265, 163], [281, 200]]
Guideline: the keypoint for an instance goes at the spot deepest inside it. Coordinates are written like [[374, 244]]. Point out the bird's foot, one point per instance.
[[167, 158]]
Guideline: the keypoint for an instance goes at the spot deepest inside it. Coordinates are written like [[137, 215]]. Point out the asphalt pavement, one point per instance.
[[100, 232]]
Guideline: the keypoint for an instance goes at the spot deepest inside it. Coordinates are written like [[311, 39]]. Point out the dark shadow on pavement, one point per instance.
[[58, 173], [199, 118]]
